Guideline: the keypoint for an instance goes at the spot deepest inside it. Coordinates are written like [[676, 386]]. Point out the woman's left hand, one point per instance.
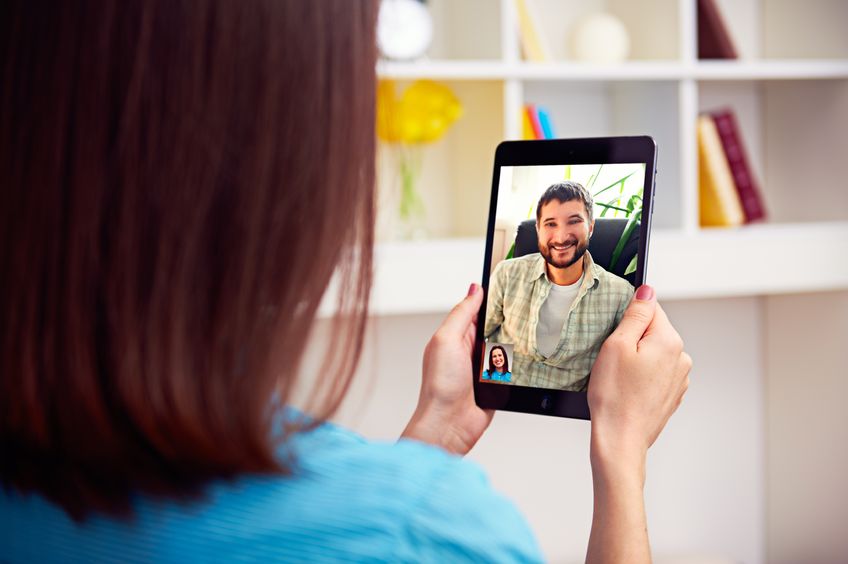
[[446, 415]]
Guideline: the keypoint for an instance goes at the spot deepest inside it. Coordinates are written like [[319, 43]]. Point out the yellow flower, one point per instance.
[[387, 106], [423, 113]]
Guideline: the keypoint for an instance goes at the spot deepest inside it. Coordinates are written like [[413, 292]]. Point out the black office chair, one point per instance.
[[602, 244]]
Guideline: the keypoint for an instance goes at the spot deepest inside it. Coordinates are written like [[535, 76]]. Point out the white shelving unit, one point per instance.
[[789, 91]]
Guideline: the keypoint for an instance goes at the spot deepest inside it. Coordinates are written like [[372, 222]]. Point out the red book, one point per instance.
[[713, 40], [533, 115], [746, 185]]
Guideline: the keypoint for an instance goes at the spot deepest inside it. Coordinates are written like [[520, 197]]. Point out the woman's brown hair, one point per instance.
[[178, 183]]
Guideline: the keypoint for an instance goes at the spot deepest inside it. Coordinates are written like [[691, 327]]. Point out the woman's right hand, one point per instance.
[[637, 383], [447, 415]]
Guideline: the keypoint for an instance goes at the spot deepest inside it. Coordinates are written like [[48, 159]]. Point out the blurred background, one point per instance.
[[747, 253]]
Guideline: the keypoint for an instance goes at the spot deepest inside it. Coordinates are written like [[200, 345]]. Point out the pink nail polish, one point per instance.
[[644, 293]]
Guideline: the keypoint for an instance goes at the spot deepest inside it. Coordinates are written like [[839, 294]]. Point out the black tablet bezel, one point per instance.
[[592, 150]]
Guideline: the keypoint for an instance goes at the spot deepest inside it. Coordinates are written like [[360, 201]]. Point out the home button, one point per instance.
[[546, 402]]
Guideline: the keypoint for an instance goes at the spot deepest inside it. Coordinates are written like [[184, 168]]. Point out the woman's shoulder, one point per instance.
[[331, 451], [438, 505], [402, 500], [346, 498]]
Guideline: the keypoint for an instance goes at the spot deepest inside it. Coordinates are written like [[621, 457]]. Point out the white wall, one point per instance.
[[806, 352], [705, 489]]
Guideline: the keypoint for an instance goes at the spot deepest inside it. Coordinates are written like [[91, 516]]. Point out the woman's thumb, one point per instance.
[[638, 315], [465, 312]]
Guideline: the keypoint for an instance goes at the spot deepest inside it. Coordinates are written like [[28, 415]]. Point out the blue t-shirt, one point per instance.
[[497, 376], [349, 499]]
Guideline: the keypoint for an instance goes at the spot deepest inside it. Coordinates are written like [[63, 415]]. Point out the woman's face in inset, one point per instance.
[[498, 358]]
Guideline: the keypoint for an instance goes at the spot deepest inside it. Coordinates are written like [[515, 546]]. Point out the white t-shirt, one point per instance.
[[552, 316]]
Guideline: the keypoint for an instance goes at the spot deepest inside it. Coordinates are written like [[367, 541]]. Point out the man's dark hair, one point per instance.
[[565, 192]]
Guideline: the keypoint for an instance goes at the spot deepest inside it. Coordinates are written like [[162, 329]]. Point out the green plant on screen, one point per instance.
[[626, 202]]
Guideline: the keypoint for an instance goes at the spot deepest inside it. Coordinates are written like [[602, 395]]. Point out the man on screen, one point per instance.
[[556, 306]]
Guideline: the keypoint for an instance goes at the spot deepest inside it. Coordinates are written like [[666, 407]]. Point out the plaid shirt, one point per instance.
[[518, 288]]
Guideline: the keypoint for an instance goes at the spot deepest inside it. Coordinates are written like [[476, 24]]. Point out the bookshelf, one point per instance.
[[789, 90]]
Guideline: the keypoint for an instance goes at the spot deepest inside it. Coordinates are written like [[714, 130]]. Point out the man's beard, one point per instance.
[[579, 250]]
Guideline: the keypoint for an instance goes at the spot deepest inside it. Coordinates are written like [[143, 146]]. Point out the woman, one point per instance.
[[180, 182], [498, 365]]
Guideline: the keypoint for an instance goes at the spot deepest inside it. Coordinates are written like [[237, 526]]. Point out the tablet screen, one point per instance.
[[562, 270]]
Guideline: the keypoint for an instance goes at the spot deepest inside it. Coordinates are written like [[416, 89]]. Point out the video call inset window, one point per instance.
[[496, 367]]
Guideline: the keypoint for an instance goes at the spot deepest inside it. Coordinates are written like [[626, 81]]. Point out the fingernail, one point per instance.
[[472, 289], [644, 293]]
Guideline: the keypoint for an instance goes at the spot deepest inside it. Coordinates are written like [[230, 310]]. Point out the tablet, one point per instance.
[[566, 246]]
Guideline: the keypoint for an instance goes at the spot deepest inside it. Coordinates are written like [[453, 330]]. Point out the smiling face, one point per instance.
[[498, 358], [564, 229]]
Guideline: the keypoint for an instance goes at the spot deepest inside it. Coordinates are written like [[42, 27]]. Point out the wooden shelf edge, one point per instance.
[[494, 69], [788, 69], [430, 277]]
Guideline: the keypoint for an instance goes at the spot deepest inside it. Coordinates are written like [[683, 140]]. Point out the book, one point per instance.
[[746, 185], [719, 201], [533, 116], [536, 123], [713, 39], [545, 122], [526, 125], [533, 45]]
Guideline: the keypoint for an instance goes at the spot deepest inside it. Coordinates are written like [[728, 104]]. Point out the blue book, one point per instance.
[[545, 122]]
